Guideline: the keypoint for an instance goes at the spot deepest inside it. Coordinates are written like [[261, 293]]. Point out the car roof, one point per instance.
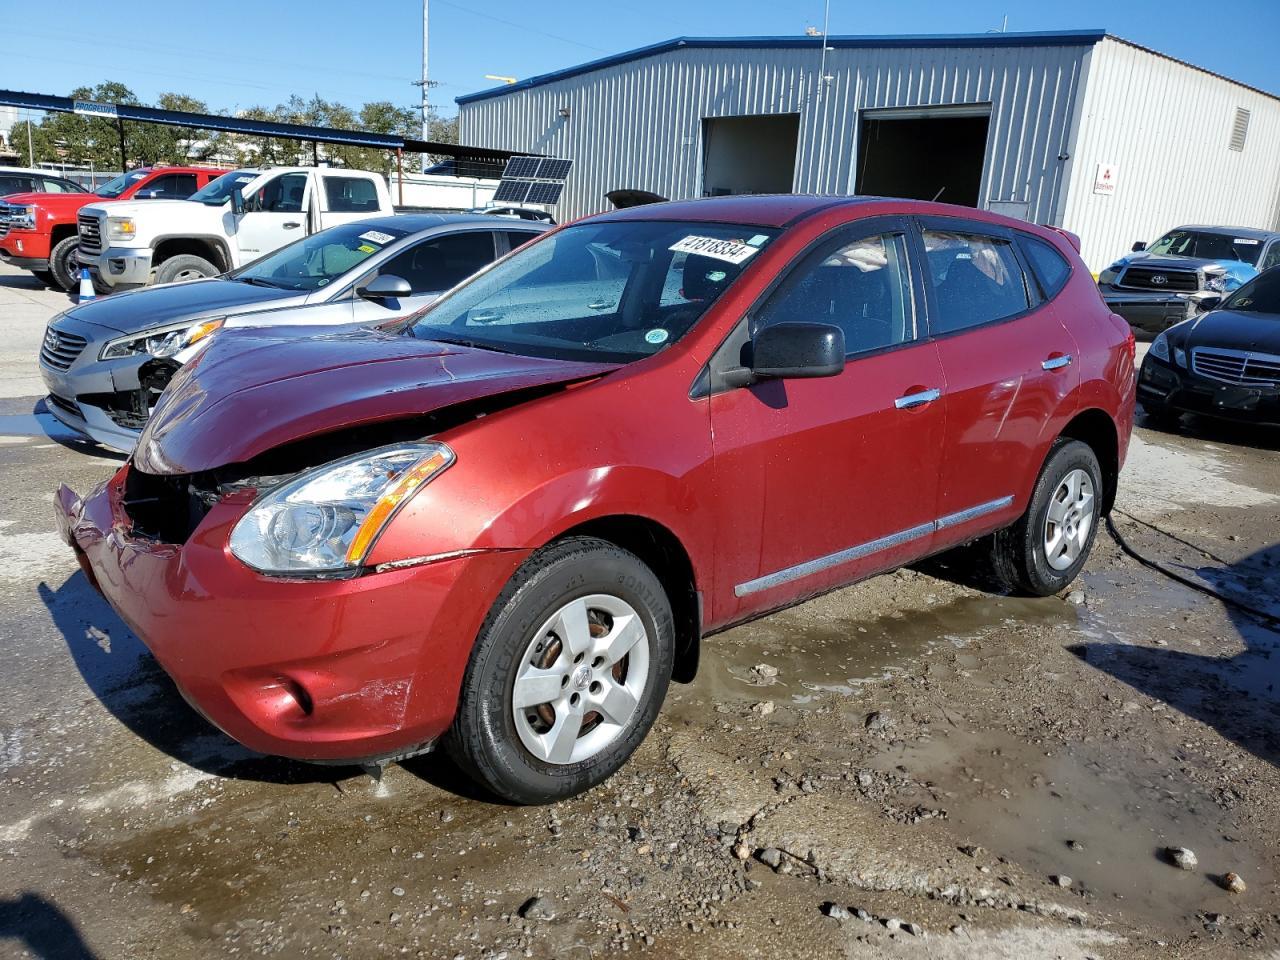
[[1251, 233], [37, 170], [416, 222], [759, 210]]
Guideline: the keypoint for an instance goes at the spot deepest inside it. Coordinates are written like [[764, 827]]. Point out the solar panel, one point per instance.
[[545, 192], [512, 191], [522, 167], [553, 168]]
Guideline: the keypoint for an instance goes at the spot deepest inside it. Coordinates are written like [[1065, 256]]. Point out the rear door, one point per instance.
[[1009, 364], [823, 481]]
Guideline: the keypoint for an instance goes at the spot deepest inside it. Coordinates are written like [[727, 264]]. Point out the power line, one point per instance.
[[524, 28]]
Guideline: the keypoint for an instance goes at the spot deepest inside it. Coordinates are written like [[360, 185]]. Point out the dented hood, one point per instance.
[[259, 388]]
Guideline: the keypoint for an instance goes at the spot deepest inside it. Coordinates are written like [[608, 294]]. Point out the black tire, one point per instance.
[[184, 266], [484, 740], [45, 277], [63, 265], [1019, 558]]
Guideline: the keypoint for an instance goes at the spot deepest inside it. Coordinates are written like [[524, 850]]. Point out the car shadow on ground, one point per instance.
[[42, 929], [1213, 430], [126, 679], [1239, 696], [41, 422]]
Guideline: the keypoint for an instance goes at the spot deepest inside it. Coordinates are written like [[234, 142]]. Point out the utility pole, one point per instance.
[[426, 107], [31, 150]]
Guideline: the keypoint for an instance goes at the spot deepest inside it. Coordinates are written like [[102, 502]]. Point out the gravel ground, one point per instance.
[[913, 767]]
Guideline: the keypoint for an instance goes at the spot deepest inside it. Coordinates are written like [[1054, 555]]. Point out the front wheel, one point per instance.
[[63, 264], [185, 266], [567, 675], [1045, 550]]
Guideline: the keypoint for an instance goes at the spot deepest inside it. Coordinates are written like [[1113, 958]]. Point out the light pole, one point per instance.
[[426, 107]]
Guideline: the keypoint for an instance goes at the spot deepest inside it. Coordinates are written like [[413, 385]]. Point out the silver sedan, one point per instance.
[[106, 362]]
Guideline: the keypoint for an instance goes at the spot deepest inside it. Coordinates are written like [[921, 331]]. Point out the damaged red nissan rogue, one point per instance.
[[508, 524]]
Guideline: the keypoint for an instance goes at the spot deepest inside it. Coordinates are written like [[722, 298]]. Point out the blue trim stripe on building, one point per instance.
[[1062, 38]]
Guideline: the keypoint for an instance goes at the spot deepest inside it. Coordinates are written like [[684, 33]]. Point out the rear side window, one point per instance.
[[350, 195], [15, 183], [976, 279], [438, 264], [518, 238], [1050, 267]]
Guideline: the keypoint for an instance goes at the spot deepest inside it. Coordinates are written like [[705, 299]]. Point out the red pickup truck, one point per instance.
[[38, 230]]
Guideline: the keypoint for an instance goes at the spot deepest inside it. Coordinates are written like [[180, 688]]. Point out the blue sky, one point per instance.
[[246, 53]]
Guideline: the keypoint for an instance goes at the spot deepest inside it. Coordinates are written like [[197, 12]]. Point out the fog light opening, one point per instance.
[[299, 694]]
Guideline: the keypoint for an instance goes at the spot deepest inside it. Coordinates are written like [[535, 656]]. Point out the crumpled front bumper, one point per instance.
[[327, 670], [1150, 312]]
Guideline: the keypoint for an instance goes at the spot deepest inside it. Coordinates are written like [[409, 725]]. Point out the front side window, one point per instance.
[[282, 195], [863, 287], [1208, 246], [1272, 258], [976, 279], [442, 262], [350, 195], [172, 186], [320, 259], [597, 291]]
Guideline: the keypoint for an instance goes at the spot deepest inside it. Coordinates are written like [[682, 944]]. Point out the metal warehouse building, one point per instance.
[[1078, 129]]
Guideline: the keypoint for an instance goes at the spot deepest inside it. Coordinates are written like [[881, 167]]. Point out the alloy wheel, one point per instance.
[[1069, 520]]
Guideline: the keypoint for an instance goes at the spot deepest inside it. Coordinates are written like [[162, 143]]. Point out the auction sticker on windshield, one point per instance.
[[734, 251], [377, 236]]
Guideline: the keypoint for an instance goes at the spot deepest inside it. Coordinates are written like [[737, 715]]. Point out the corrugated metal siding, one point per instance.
[[1167, 127], [639, 124]]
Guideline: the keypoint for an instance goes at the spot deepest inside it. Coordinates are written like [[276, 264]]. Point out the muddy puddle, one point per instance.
[[819, 656], [1102, 816]]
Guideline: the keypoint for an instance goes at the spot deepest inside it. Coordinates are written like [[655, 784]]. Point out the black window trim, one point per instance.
[[705, 385], [977, 228]]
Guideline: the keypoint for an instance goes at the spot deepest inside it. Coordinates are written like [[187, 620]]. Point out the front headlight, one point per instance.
[[161, 341], [121, 228], [325, 520], [23, 218], [1218, 284], [1160, 347]]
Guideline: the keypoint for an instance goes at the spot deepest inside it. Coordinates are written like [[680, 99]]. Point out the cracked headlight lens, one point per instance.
[[161, 341], [327, 519]]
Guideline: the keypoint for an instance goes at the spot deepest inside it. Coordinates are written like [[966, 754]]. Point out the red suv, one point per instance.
[[510, 521]]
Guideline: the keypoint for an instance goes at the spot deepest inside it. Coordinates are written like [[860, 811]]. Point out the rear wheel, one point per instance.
[[1044, 551], [63, 264], [567, 675], [184, 266]]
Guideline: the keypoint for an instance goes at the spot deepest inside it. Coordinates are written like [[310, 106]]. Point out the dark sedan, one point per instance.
[[1223, 363]]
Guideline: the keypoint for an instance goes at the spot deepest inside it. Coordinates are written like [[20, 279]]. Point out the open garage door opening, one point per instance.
[[749, 154], [923, 155]]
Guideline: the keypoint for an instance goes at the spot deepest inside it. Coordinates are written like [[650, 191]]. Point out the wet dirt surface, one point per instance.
[[926, 752]]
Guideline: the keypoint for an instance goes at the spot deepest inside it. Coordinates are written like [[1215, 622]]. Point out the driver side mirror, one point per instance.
[[237, 201], [791, 351], [1139, 246], [386, 287], [1205, 304]]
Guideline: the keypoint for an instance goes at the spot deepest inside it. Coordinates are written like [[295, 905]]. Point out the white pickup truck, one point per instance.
[[237, 218]]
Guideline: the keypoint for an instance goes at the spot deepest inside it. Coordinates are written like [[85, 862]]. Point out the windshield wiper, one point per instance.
[[464, 342], [258, 282]]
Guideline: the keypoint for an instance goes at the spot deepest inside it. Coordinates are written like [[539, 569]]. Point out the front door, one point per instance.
[[430, 267], [274, 214], [823, 481], [1010, 365]]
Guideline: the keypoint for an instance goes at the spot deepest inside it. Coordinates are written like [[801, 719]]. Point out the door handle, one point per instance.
[[917, 399], [292, 225], [485, 317], [600, 305], [1058, 362]]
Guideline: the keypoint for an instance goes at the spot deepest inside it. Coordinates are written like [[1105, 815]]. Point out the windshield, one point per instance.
[[597, 291], [316, 261], [1208, 246], [1259, 295], [113, 188], [217, 192]]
